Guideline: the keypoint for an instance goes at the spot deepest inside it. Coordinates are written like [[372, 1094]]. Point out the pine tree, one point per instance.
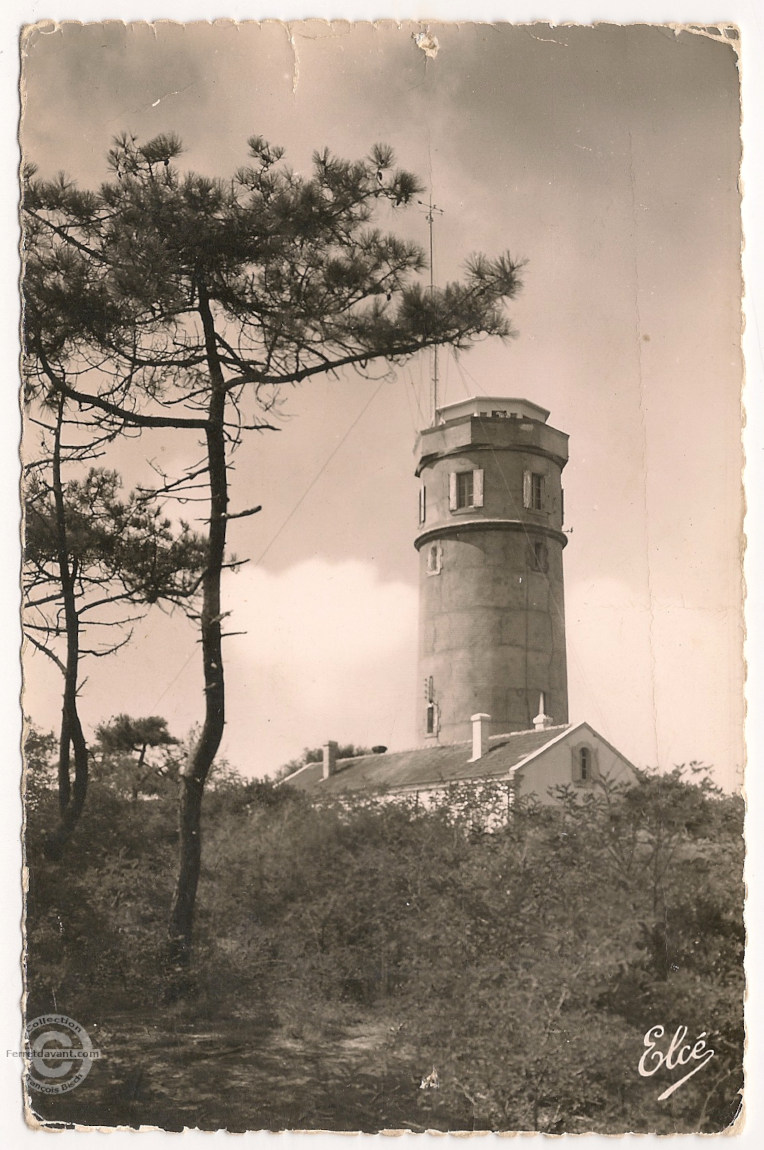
[[166, 299], [93, 564]]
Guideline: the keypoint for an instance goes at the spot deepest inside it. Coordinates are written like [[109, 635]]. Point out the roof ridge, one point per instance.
[[531, 731], [446, 746]]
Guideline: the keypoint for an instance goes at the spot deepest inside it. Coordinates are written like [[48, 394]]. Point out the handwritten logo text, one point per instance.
[[679, 1053]]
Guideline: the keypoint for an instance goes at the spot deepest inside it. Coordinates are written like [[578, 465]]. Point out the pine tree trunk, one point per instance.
[[203, 754], [71, 809], [71, 798]]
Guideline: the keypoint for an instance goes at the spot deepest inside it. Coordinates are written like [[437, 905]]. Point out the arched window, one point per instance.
[[583, 763], [434, 557], [431, 712]]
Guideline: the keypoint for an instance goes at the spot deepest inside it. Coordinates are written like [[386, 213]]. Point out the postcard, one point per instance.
[[382, 577]]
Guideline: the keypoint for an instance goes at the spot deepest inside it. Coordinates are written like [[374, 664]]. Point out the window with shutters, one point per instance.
[[465, 490], [533, 490], [584, 764]]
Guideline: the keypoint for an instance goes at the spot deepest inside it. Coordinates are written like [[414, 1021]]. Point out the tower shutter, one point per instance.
[[527, 484], [452, 491], [477, 488]]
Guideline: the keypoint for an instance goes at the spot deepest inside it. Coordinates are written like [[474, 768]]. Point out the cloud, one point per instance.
[[660, 677], [338, 613], [330, 652]]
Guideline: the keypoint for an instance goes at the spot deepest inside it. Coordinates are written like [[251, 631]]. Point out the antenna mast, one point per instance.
[[430, 216]]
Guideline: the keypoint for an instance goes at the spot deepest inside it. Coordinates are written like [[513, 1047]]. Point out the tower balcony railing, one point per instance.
[[477, 433]]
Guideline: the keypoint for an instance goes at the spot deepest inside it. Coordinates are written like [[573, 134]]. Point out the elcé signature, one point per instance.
[[679, 1053]]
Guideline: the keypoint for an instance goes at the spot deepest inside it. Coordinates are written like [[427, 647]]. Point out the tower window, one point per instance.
[[540, 557], [465, 489], [431, 712], [533, 491], [422, 503], [434, 558]]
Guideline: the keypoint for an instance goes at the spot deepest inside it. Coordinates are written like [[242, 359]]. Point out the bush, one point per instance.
[[524, 962]]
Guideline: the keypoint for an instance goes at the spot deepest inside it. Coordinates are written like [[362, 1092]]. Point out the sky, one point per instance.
[[608, 158]]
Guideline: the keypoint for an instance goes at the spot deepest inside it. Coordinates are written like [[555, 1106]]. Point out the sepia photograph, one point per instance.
[[382, 577]]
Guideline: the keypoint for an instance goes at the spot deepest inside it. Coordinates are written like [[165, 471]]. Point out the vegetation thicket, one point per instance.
[[524, 963]]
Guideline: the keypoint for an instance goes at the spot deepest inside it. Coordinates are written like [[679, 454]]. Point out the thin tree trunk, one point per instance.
[[64, 779], [71, 798], [138, 778], [203, 754]]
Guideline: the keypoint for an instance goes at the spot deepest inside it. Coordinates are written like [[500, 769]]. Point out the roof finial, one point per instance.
[[542, 721]]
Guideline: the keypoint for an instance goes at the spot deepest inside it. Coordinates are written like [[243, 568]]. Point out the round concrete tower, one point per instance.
[[490, 542]]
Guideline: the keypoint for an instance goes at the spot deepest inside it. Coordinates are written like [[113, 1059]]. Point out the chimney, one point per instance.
[[479, 735], [542, 721], [330, 759]]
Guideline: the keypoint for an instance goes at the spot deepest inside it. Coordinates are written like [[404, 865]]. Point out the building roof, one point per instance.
[[426, 767]]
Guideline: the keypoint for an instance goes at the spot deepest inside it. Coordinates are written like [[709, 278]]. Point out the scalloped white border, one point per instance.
[[14, 13]]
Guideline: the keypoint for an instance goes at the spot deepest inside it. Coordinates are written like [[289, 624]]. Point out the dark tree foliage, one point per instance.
[[39, 764], [122, 554], [166, 299], [125, 747]]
